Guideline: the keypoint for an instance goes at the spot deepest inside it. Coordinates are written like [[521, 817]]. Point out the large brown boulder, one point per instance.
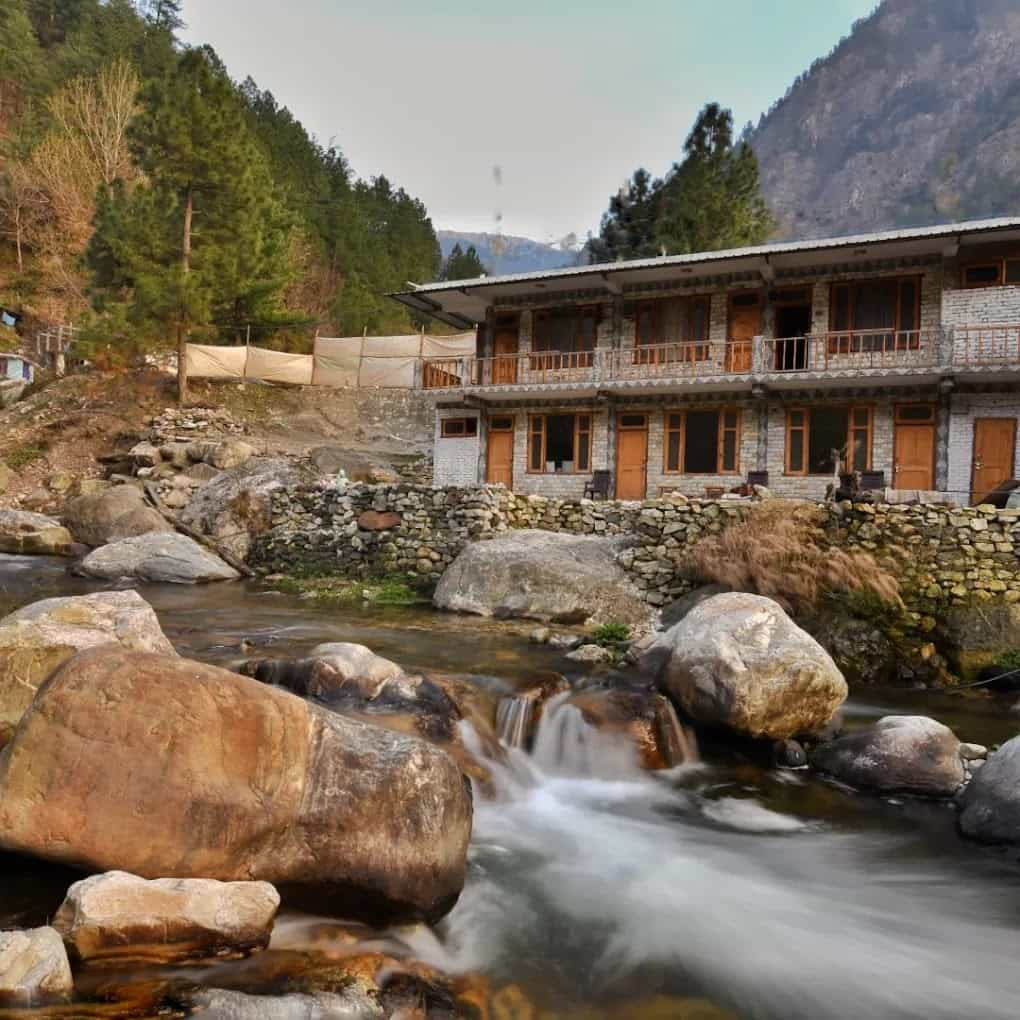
[[32, 534], [35, 639], [738, 661], [170, 768], [119, 512]]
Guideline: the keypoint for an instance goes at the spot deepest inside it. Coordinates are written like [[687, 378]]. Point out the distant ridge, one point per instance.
[[502, 253]]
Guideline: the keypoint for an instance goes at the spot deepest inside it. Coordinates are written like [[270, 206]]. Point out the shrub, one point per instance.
[[781, 550], [609, 634], [21, 456], [1008, 660]]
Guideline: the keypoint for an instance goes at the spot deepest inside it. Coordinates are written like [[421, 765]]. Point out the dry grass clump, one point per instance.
[[781, 550]]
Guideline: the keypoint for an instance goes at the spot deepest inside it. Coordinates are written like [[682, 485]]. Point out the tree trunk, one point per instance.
[[182, 332], [17, 236]]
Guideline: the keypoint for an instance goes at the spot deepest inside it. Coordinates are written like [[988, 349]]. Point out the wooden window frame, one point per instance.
[[836, 335], [537, 427], [681, 431], [998, 261], [685, 345], [805, 439], [446, 433], [554, 359]]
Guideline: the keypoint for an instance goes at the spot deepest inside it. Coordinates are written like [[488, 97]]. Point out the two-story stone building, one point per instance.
[[895, 353]]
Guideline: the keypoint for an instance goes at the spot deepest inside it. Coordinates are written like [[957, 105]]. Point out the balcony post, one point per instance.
[[759, 357], [946, 343]]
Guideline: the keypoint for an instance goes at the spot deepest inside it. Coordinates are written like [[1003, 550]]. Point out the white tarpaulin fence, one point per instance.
[[387, 361]]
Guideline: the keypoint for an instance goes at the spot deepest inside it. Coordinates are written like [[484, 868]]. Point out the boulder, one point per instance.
[[168, 768], [739, 662], [543, 575], [990, 805], [224, 456], [37, 638], [32, 534], [158, 556], [234, 508], [352, 1003], [34, 968], [977, 633], [108, 516], [898, 754], [117, 916], [592, 655]]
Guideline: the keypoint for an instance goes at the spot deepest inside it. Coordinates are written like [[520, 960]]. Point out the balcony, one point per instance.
[[922, 355]]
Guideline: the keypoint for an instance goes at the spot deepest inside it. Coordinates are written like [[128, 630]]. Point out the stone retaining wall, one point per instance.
[[942, 556]]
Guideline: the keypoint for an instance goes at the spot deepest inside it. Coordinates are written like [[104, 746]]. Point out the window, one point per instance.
[[667, 321], [992, 273], [559, 443], [702, 442], [817, 436], [875, 315], [564, 338], [459, 428], [913, 414], [501, 424]]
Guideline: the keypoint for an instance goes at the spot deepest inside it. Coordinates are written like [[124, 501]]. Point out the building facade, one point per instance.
[[895, 356]]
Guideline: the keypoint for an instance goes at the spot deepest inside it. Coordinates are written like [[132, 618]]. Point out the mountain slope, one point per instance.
[[914, 118], [501, 253]]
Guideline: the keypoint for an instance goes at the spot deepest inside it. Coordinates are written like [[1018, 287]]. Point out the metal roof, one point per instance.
[[428, 297]]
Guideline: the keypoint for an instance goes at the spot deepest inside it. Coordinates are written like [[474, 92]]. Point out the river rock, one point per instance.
[[108, 516], [168, 768], [898, 754], [118, 916], [352, 1003], [31, 534], [543, 575], [738, 661], [990, 804], [34, 967], [37, 638], [167, 557], [234, 508], [224, 455]]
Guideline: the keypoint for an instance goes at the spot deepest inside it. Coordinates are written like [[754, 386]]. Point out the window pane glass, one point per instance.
[[1012, 270], [672, 320], [536, 446], [730, 419], [674, 421], [501, 424], [587, 328], [841, 308], [644, 325], [471, 426], [701, 442], [875, 304], [861, 416], [796, 419], [583, 441], [699, 319], [915, 412], [796, 450], [908, 305], [632, 420], [673, 451], [859, 460], [729, 451], [827, 438], [583, 421], [976, 276], [559, 442]]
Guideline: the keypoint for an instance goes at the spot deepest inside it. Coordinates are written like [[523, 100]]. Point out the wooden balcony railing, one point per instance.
[[986, 345], [860, 349]]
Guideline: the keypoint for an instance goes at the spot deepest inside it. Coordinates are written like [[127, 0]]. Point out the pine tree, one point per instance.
[[21, 67], [463, 265], [712, 199], [628, 228]]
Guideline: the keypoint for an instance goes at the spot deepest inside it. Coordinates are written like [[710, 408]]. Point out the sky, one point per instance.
[[565, 97]]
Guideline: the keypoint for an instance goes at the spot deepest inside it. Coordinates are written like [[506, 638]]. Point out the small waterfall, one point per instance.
[[513, 718], [678, 743]]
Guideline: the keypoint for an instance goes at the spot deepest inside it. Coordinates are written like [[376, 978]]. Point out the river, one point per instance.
[[772, 893]]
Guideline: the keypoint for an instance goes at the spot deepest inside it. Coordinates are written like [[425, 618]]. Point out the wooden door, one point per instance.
[[504, 347], [914, 454], [994, 449], [744, 326], [631, 456], [499, 456]]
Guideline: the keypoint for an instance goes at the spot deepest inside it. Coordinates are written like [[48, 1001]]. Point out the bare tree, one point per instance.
[[23, 208]]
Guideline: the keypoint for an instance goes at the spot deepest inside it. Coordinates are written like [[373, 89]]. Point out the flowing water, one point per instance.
[[591, 883]]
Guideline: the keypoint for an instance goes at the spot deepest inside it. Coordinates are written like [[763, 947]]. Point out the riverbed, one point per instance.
[[606, 891]]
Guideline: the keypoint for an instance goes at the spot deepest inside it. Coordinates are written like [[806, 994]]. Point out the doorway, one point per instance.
[[914, 447], [744, 326], [793, 324], [499, 451], [631, 456], [505, 346], [994, 452]]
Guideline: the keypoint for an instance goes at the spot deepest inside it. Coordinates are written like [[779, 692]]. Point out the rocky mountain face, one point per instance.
[[913, 119], [501, 253]]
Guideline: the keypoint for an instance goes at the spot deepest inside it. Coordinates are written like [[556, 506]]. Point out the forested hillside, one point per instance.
[[912, 119], [144, 192]]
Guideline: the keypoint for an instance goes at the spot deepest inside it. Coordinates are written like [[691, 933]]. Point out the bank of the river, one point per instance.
[[609, 892]]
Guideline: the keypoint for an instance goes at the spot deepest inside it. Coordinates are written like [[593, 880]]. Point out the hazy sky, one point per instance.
[[567, 97]]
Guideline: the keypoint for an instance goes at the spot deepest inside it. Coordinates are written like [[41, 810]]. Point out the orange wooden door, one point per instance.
[[504, 368], [631, 460], [914, 457], [744, 326], [499, 458], [994, 449]]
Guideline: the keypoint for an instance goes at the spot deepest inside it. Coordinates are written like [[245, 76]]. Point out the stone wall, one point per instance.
[[942, 556]]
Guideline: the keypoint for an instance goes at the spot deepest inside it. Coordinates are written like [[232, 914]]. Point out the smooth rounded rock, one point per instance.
[[108, 516], [34, 968], [738, 661], [169, 768], [158, 557], [990, 805], [898, 754], [31, 534]]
